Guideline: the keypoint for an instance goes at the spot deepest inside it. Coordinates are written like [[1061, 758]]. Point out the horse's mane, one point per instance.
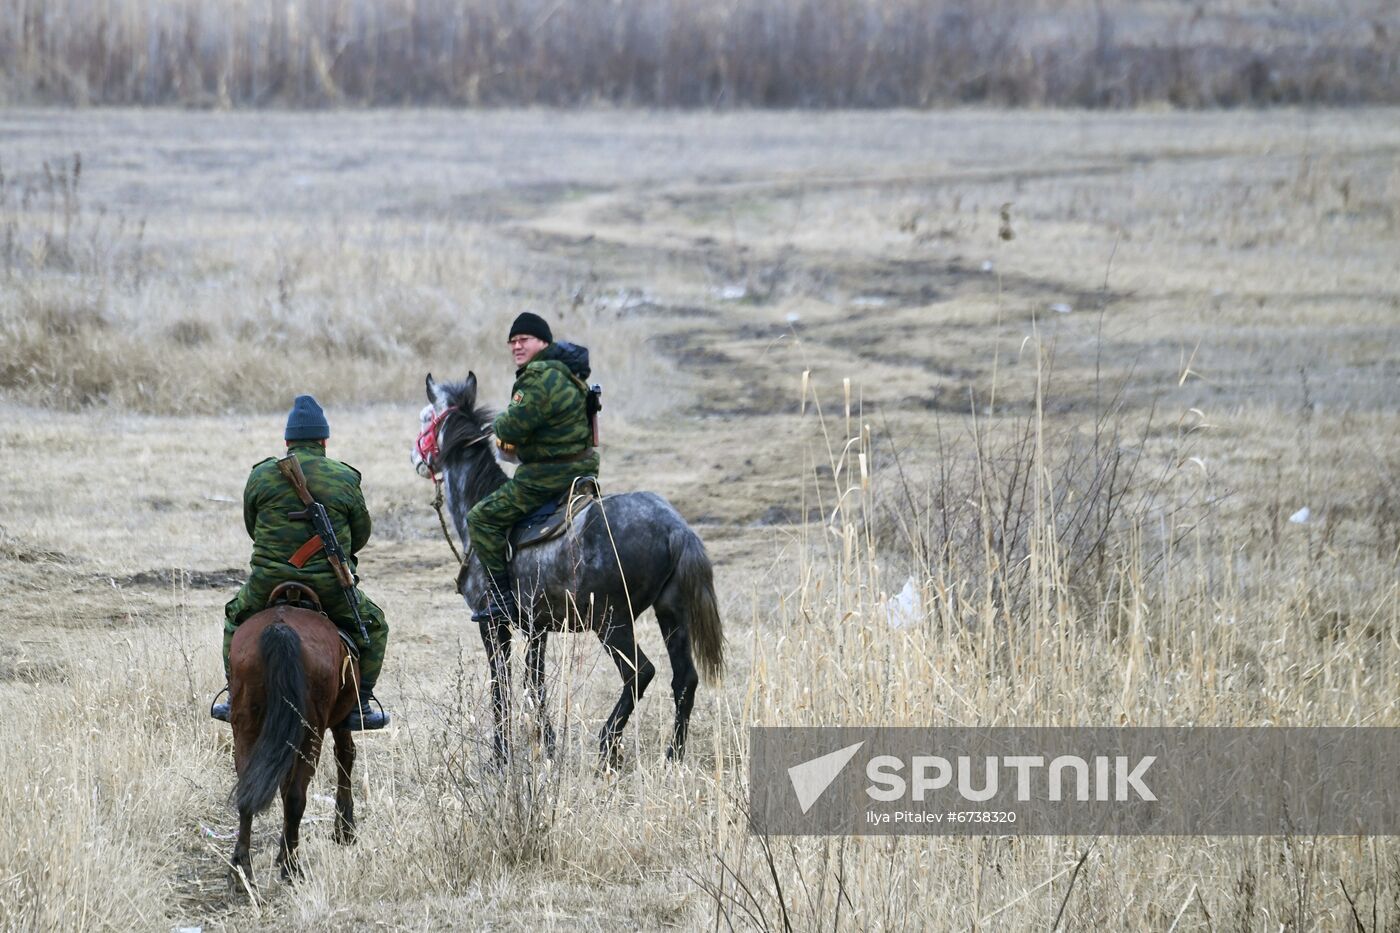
[[476, 463]]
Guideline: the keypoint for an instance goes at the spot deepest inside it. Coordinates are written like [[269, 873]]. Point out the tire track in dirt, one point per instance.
[[608, 231], [727, 346], [628, 232]]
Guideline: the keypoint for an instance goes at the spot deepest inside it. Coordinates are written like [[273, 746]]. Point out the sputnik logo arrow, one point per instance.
[[811, 778]]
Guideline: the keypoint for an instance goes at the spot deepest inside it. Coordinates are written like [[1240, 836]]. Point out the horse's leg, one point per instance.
[[496, 638], [684, 678], [636, 670], [534, 663], [242, 859], [245, 734], [294, 804], [344, 802]]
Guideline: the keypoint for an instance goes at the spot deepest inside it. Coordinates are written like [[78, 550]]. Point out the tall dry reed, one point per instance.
[[1183, 620]]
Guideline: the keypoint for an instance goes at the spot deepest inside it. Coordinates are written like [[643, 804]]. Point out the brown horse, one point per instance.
[[290, 677]]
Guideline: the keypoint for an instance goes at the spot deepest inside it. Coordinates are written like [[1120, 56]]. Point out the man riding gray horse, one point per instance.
[[546, 428], [606, 562]]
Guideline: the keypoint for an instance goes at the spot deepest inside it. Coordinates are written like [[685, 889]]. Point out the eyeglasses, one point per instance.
[[519, 341]]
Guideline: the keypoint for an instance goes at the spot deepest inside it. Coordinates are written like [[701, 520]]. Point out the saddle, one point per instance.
[[300, 596], [297, 595], [550, 520]]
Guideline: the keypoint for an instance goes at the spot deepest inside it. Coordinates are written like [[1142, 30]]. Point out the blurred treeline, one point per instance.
[[695, 53]]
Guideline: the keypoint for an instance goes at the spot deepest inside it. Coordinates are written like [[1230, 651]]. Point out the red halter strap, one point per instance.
[[427, 445]]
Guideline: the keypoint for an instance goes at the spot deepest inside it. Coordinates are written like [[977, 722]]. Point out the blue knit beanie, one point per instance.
[[307, 422]]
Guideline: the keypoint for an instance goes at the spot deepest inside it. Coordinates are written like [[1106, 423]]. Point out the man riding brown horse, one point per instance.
[[287, 548]]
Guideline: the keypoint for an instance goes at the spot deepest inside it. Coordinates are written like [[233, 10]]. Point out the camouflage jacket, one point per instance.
[[547, 418], [268, 498]]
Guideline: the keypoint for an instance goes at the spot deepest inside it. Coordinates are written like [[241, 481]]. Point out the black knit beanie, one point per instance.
[[530, 324]]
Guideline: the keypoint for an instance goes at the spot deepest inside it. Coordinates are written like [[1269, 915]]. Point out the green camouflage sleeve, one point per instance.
[[250, 500], [359, 520], [529, 407]]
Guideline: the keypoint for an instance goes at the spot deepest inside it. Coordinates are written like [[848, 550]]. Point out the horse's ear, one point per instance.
[[431, 386], [470, 387]]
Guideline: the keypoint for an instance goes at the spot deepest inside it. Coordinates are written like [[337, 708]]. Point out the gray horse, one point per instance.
[[623, 555]]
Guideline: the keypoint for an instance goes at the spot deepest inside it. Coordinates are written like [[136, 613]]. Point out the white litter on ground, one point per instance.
[[906, 608], [1060, 307], [1301, 516]]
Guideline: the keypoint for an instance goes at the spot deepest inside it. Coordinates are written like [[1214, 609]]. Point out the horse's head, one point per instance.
[[449, 419], [444, 395]]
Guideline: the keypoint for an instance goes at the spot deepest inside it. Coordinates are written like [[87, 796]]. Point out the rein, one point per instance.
[[437, 504]]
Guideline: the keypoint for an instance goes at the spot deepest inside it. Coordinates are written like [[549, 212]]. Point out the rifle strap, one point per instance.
[[310, 549]]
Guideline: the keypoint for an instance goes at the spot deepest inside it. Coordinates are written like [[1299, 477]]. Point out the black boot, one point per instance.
[[364, 717], [500, 601], [220, 711]]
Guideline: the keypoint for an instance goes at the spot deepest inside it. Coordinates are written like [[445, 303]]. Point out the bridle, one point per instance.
[[429, 456], [427, 445], [429, 448]]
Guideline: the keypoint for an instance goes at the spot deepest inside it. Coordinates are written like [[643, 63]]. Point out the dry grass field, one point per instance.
[[1081, 377]]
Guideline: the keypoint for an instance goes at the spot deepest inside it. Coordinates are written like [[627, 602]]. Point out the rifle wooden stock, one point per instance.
[[342, 573], [290, 467]]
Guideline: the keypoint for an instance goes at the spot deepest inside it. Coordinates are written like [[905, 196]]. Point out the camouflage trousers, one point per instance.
[[490, 520], [252, 598]]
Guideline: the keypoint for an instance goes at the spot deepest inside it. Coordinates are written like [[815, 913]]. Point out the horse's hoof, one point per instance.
[[288, 867], [548, 740], [240, 882], [674, 754], [344, 833], [610, 758]]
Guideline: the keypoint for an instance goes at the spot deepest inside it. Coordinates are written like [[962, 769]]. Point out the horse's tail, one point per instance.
[[697, 586], [284, 718]]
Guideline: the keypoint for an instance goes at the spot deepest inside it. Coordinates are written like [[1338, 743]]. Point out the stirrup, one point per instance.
[[220, 711], [497, 612], [364, 719], [500, 605]]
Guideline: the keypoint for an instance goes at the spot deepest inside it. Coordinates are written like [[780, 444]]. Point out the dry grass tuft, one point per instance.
[[94, 315], [94, 781]]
